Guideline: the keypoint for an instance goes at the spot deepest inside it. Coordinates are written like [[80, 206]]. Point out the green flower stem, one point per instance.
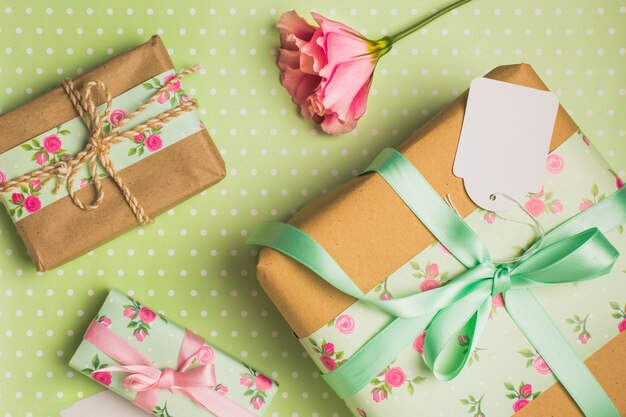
[[406, 32]]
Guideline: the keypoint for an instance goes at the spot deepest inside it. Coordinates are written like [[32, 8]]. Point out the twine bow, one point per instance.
[[99, 144]]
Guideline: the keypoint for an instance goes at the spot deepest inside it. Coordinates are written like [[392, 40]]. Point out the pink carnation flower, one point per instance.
[[327, 69]]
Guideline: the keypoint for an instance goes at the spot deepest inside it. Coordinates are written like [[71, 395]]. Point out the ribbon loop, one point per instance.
[[501, 280], [166, 380]]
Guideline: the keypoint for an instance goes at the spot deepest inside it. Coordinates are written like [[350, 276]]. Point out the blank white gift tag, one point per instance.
[[504, 142]]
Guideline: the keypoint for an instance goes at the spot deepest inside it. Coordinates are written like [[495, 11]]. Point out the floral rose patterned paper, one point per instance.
[[67, 139], [148, 332], [505, 373]]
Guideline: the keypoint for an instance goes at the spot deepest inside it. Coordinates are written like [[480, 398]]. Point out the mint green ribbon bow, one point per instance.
[[574, 251]]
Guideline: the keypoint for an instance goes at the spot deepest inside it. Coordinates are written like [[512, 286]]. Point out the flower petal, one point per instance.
[[292, 26], [345, 86]]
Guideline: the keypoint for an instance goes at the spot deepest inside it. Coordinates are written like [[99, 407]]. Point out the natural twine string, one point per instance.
[[98, 144]]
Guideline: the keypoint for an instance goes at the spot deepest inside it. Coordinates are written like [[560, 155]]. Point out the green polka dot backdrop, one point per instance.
[[192, 263]]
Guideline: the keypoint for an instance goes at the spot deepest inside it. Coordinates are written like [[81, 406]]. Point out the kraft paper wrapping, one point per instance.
[[183, 169], [365, 226]]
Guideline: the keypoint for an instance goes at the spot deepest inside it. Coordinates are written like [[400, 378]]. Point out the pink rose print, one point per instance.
[[52, 143], [27, 200], [149, 139], [444, 249], [536, 361], [379, 395], [84, 183], [432, 270], [104, 378], [429, 284], [174, 92], [328, 362], [206, 354], [534, 206], [49, 149], [104, 320], [141, 335], [41, 158], [584, 205], [163, 97], [555, 164], [153, 143], [116, 116], [386, 294], [556, 206], [620, 314], [130, 312], [330, 358], [418, 343], [146, 315], [433, 277], [32, 203], [392, 378], [246, 380], [523, 395], [519, 404], [140, 319], [262, 383], [345, 324], [258, 384], [175, 86], [395, 377], [35, 184], [257, 402], [541, 366], [361, 412], [221, 389], [17, 198], [543, 202], [3, 177], [490, 217], [580, 327]]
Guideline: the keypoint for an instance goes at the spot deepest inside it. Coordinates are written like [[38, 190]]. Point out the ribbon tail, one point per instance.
[[147, 400], [538, 327]]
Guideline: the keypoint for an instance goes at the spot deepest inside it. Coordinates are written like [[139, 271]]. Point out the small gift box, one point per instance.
[[103, 153], [398, 288], [164, 368]]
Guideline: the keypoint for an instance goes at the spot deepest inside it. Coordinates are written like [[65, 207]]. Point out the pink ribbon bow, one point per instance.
[[197, 384]]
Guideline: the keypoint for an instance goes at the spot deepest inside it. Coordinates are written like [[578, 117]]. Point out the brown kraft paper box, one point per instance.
[[192, 165], [339, 222]]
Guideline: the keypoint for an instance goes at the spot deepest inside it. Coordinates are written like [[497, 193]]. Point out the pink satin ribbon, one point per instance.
[[197, 384]]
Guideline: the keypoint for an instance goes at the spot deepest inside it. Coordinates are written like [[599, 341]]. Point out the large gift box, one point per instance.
[[73, 175], [368, 236], [164, 368]]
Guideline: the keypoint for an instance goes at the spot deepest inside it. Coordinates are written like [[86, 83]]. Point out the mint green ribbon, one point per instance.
[[574, 251]]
